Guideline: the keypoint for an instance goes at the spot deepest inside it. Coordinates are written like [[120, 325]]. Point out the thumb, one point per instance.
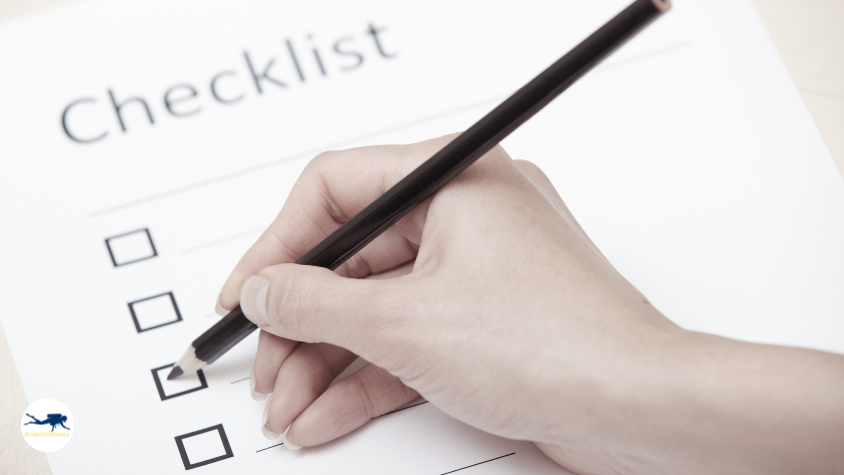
[[315, 305]]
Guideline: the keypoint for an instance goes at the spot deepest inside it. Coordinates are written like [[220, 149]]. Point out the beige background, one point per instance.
[[808, 33]]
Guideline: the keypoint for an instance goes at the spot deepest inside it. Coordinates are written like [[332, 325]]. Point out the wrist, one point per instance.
[[626, 407], [700, 403], [614, 393]]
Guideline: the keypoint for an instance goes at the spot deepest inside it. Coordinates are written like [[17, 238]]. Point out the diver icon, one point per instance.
[[52, 419]]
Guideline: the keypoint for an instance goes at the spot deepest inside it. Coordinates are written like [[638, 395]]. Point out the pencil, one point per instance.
[[438, 170]]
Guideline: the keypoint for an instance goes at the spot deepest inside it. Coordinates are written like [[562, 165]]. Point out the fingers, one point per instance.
[[387, 251], [303, 377], [272, 352], [313, 304], [347, 405], [298, 374], [334, 187], [399, 271]]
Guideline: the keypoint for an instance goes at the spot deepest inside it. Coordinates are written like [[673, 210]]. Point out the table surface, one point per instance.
[[809, 35]]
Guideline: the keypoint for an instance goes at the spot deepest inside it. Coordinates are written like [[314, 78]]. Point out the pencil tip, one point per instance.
[[175, 373]]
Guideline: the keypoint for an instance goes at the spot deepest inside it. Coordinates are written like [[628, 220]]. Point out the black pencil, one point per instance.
[[439, 169]]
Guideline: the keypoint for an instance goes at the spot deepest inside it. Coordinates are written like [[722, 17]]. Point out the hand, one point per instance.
[[490, 301]]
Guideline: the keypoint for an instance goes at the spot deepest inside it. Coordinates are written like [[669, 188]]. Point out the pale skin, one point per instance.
[[491, 302]]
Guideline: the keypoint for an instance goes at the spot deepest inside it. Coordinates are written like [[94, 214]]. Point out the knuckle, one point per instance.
[[365, 404], [500, 159], [317, 166], [527, 164], [357, 267], [390, 328], [329, 363], [320, 178], [322, 160], [330, 204], [288, 299], [499, 152], [386, 392], [495, 163]]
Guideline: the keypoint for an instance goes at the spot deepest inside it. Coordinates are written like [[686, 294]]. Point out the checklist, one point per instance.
[[138, 177]]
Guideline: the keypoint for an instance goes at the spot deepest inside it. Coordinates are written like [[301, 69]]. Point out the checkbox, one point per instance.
[[131, 247], [203, 447], [185, 384], [154, 312]]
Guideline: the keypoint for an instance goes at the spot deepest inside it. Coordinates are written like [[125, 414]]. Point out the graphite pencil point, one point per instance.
[[175, 373]]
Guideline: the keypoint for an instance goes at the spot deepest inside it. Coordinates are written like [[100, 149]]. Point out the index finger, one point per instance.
[[334, 187]]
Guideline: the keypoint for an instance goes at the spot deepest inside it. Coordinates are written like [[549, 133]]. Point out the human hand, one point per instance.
[[507, 297], [489, 300]]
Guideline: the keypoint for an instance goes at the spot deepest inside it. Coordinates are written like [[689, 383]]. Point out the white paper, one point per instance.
[[689, 158]]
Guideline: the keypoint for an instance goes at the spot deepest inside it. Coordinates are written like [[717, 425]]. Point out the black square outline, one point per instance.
[[164, 397], [223, 438], [135, 317], [149, 237]]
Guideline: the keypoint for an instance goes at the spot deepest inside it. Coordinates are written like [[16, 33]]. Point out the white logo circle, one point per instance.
[[47, 425]]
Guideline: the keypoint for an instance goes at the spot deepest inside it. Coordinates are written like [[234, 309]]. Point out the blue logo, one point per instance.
[[58, 418], [52, 419]]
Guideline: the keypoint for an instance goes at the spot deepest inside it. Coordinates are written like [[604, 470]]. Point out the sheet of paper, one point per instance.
[[145, 145]]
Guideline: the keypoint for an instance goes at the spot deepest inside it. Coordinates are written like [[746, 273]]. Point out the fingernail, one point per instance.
[[267, 433], [255, 394], [219, 308], [253, 299], [285, 439]]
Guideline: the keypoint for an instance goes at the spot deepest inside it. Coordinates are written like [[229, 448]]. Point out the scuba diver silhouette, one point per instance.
[[52, 419]]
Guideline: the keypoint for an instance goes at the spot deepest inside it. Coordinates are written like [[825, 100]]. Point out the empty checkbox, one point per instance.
[[204, 447], [180, 386], [131, 247], [154, 312]]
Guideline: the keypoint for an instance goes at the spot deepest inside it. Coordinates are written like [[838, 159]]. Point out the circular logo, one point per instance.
[[47, 425]]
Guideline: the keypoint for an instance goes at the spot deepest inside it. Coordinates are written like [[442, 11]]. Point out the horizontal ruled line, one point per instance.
[[401, 409], [268, 448], [479, 463], [289, 158], [224, 240]]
